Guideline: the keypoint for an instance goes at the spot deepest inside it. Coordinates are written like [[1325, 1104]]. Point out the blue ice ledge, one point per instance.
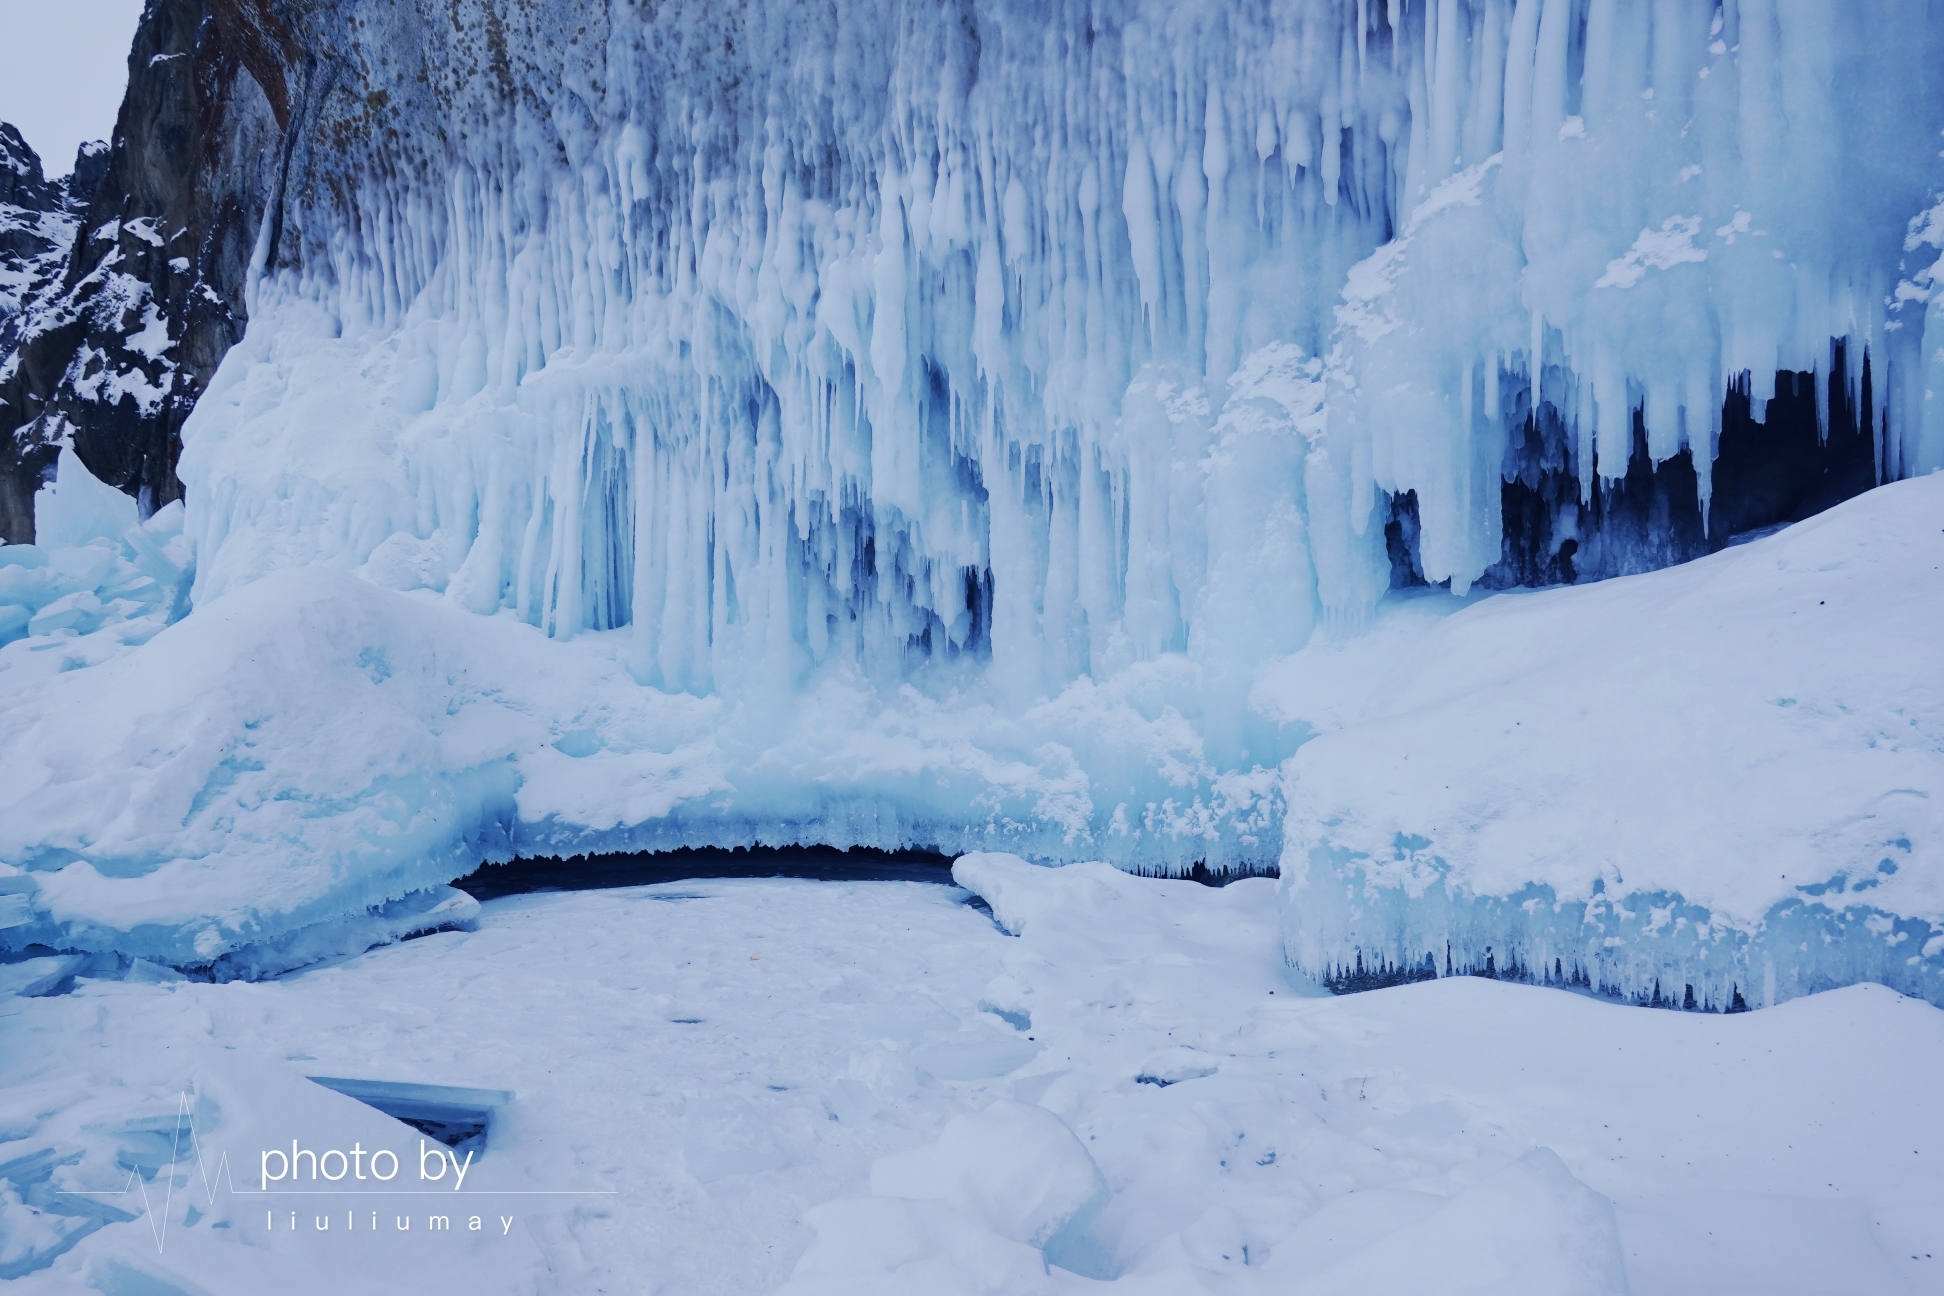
[[1345, 926]]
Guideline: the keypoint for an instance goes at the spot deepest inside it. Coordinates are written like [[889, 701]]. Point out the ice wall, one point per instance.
[[1673, 198], [886, 334], [962, 405]]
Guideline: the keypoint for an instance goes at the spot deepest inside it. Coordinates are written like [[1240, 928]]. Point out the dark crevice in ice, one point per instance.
[[459, 1118], [978, 904], [1379, 974], [1210, 877], [644, 868], [1766, 473]]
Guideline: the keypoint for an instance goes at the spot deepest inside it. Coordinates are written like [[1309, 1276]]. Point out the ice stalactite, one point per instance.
[[1680, 201], [912, 333], [833, 329]]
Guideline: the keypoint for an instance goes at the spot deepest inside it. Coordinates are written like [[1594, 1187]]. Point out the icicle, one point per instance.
[[765, 388]]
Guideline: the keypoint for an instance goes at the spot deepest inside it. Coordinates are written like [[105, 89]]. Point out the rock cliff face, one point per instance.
[[143, 255], [38, 220]]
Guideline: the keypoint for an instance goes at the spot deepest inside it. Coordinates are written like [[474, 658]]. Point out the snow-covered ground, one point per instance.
[[871, 1087]]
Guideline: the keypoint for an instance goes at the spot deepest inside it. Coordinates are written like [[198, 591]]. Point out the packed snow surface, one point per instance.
[[737, 1087]]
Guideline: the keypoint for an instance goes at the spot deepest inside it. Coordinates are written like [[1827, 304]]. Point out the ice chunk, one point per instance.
[[36, 976], [1530, 1227], [417, 913], [461, 1118], [1174, 1065], [77, 508], [94, 568], [31, 1238], [725, 1136], [1016, 1168], [145, 972], [80, 612]]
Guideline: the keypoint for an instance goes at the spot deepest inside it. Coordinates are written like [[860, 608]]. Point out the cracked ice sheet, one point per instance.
[[691, 1046]]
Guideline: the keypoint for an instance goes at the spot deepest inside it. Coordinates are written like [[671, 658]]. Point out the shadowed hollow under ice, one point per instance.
[[872, 428]]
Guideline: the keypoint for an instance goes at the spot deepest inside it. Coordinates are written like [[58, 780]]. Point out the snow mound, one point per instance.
[[1016, 1167], [973, 1212], [1722, 779], [301, 754], [1530, 1227]]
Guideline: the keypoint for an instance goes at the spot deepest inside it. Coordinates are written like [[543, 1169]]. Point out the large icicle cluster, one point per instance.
[[967, 402], [1648, 204], [785, 337]]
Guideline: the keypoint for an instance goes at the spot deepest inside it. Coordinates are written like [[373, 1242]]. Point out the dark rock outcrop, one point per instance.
[[38, 219], [113, 354]]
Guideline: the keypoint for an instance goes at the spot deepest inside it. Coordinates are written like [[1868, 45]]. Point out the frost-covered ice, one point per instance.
[[1727, 775], [789, 426], [297, 768], [750, 1075], [94, 568]]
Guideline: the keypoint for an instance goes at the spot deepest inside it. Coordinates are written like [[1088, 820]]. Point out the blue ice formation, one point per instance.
[[879, 425], [1725, 777], [94, 566]]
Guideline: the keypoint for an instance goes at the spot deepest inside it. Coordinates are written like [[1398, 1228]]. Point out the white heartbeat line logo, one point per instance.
[[160, 1227]]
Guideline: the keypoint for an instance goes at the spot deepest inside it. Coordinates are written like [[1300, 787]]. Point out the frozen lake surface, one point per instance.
[[751, 1085]]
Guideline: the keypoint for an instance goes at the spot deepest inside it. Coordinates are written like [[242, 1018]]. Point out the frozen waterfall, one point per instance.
[[885, 336], [892, 424]]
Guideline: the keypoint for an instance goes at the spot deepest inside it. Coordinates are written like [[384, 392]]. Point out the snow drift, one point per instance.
[[1539, 780]]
